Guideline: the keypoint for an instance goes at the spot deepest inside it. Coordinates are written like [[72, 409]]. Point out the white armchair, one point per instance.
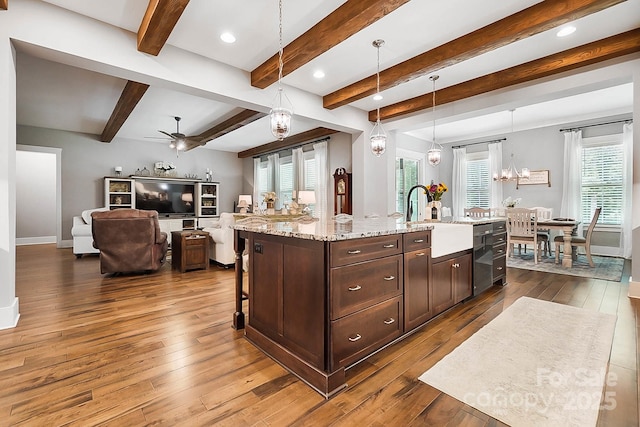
[[221, 240], [81, 232]]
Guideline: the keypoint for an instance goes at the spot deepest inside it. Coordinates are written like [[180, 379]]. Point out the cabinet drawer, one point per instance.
[[357, 250], [417, 240], [499, 239], [499, 267], [361, 333], [499, 227], [357, 286], [500, 250]]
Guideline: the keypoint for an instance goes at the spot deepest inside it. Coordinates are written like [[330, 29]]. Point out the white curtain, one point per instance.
[[627, 147], [320, 154], [459, 181], [256, 183], [571, 183], [273, 172], [297, 160], [495, 166]]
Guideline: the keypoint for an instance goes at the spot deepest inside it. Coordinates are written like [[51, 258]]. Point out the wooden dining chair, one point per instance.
[[477, 212], [544, 234], [522, 228], [580, 241]]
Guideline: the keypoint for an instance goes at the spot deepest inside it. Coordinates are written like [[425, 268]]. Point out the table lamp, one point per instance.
[[244, 201], [305, 198]]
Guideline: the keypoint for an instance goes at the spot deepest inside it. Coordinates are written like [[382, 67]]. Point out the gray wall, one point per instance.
[[35, 193], [86, 161]]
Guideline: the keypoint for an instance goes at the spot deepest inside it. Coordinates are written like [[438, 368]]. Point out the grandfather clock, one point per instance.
[[342, 192]]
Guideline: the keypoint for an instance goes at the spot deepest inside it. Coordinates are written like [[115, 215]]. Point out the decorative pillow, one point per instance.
[[86, 214]]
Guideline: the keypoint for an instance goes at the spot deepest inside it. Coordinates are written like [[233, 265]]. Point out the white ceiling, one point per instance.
[[58, 96]]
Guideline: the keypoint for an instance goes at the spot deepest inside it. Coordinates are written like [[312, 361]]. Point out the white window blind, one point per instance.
[[264, 178], [478, 176], [602, 182], [310, 179], [286, 180]]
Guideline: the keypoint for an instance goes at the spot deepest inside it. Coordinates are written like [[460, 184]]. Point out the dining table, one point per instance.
[[568, 227]]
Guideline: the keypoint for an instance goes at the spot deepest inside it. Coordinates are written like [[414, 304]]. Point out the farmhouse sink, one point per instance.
[[447, 238]]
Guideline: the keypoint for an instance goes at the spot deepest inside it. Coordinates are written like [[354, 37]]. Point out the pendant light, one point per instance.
[[282, 110], [434, 155], [378, 137], [511, 173]]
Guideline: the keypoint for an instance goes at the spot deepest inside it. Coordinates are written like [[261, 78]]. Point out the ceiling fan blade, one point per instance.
[[167, 133]]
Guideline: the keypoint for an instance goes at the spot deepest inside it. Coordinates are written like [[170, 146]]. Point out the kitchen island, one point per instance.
[[325, 295]]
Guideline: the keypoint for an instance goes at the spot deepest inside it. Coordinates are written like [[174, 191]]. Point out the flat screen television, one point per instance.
[[167, 197]]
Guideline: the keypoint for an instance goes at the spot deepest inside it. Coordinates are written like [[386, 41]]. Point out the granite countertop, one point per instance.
[[474, 221], [333, 230]]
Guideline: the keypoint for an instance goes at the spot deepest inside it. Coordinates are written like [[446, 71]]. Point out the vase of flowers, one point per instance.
[[511, 203], [434, 207], [270, 200]]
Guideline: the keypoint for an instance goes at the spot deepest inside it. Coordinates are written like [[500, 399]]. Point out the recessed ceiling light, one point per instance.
[[377, 97], [318, 74], [227, 37], [565, 31]]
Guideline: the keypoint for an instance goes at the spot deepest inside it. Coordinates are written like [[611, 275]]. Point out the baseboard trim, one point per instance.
[[634, 289], [22, 241], [9, 315]]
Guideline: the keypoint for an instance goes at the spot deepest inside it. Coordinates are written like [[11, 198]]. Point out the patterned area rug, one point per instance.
[[538, 363], [606, 268]]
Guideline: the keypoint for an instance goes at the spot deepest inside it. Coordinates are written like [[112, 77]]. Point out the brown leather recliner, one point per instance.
[[129, 240]]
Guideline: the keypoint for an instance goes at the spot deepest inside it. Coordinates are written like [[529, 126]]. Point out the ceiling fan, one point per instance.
[[180, 141]]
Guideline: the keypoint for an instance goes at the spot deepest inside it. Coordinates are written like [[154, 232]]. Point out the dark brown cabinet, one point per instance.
[[318, 307], [417, 295], [189, 250], [451, 282]]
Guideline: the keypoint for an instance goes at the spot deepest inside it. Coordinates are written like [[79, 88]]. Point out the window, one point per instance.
[[602, 179], [478, 180], [282, 178], [407, 175], [285, 185]]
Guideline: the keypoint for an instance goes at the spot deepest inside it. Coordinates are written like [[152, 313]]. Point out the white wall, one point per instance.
[[36, 192], [86, 161], [9, 312]]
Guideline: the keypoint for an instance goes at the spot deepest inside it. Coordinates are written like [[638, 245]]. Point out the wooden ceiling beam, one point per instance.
[[290, 141], [591, 53], [132, 93], [342, 23], [241, 119], [528, 22], [158, 22], [4, 4]]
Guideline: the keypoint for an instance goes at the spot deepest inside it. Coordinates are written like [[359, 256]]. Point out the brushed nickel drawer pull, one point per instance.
[[420, 254], [499, 268], [389, 321], [418, 240], [389, 246], [388, 278], [355, 288], [356, 338], [456, 265], [354, 251]]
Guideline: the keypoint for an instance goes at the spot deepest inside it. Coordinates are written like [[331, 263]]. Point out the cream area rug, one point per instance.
[[537, 364]]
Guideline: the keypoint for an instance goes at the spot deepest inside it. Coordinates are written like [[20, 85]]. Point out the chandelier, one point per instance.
[[434, 155], [511, 173], [282, 110], [378, 137]]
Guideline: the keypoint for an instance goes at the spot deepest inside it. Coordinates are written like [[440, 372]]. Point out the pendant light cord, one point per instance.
[[280, 52], [433, 107], [378, 82]]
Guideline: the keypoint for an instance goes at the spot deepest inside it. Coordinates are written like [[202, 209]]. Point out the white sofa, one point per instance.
[[81, 232], [221, 240]]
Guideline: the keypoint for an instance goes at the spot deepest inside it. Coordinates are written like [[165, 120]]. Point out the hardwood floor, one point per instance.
[[158, 349]]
